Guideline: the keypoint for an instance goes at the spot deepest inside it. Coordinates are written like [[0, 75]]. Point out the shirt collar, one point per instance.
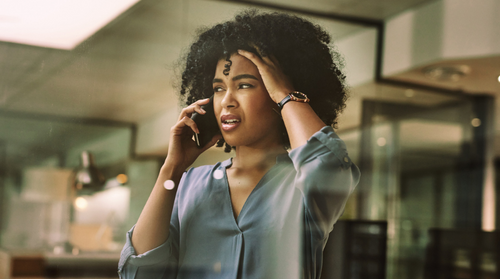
[[282, 158]]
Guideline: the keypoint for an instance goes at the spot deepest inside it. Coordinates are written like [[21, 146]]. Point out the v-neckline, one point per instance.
[[236, 219]]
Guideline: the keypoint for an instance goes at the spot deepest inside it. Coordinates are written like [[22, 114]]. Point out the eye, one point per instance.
[[245, 86], [218, 89]]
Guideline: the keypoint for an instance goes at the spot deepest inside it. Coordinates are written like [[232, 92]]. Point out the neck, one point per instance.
[[248, 158]]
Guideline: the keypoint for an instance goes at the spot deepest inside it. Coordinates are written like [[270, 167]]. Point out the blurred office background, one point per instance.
[[99, 76]]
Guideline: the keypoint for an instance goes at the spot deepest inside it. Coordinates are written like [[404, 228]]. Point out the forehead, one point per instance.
[[240, 65]]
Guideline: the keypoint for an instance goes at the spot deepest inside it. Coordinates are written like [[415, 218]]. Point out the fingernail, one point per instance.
[[204, 111]]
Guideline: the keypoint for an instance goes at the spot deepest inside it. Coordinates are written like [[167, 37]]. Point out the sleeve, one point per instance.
[[160, 262], [326, 177]]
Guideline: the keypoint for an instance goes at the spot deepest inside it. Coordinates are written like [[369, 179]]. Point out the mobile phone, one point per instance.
[[207, 124]]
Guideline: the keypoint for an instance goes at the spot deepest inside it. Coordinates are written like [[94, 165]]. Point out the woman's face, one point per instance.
[[243, 107]]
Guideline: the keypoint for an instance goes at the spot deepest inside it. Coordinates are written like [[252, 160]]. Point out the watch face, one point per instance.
[[298, 95]]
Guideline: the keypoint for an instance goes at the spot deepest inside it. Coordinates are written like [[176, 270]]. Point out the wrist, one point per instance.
[[294, 96], [171, 172], [278, 96]]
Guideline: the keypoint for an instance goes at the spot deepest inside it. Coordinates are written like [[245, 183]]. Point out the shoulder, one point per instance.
[[324, 146], [201, 171], [196, 185], [199, 177]]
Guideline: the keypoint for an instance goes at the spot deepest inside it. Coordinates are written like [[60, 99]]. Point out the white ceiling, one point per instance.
[[482, 77], [59, 24], [367, 9], [125, 72]]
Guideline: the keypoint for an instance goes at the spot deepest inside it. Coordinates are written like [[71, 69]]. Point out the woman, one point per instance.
[[267, 212]]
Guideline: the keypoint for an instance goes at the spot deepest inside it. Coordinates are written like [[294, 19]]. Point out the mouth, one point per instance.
[[230, 122]]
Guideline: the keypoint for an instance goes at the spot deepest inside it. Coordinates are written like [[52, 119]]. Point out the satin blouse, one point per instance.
[[280, 232]]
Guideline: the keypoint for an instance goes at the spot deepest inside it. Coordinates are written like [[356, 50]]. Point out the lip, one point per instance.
[[229, 126]]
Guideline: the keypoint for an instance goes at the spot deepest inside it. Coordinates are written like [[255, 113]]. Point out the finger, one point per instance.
[[185, 112], [188, 111], [179, 128], [199, 109], [275, 61], [197, 105], [252, 57], [202, 101], [190, 123], [266, 58], [257, 49], [186, 121]]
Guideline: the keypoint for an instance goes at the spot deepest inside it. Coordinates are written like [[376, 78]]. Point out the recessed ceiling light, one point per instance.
[[498, 78], [446, 72], [59, 24]]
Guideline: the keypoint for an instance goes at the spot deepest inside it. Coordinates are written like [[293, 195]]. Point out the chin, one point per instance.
[[232, 141], [249, 141], [236, 139]]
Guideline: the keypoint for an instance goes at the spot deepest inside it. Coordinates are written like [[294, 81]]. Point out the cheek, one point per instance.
[[264, 112], [268, 105], [217, 106]]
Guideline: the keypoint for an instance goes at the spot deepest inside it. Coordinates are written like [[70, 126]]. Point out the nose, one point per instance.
[[229, 100]]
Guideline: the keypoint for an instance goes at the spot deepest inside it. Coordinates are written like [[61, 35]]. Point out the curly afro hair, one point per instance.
[[301, 48]]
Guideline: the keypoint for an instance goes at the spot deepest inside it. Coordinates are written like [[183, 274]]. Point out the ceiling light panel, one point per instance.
[[61, 24]]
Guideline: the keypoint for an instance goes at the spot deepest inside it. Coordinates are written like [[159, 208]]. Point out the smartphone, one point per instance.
[[207, 124]]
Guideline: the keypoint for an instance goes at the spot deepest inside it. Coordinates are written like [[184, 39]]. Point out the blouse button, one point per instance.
[[346, 159]]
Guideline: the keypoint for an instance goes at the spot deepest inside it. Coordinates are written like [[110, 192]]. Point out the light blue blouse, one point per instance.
[[280, 232]]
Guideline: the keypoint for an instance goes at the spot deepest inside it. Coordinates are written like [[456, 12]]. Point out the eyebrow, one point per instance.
[[237, 78]]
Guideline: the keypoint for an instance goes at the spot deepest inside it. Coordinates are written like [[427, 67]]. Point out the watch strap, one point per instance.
[[285, 100], [291, 97]]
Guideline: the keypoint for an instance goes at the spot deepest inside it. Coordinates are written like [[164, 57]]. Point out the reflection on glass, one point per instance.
[[421, 154], [81, 203], [40, 208]]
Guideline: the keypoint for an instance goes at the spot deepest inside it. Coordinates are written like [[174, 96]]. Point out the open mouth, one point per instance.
[[229, 122]]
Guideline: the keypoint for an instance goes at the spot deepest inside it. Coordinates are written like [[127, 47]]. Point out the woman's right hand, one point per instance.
[[153, 227], [182, 149]]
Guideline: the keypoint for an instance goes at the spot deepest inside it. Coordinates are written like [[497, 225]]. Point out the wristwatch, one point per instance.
[[294, 96]]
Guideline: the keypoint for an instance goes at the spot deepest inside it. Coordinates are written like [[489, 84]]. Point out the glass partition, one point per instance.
[[422, 157], [41, 208]]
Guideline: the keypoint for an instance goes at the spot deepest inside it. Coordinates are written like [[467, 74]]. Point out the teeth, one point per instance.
[[231, 121]]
